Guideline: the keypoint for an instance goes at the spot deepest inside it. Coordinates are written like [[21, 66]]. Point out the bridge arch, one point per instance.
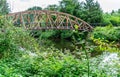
[[43, 19]]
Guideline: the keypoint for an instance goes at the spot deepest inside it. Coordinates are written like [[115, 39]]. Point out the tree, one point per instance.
[[52, 7], [35, 8], [4, 7], [89, 10], [119, 11], [93, 12], [70, 6], [112, 12], [73, 7]]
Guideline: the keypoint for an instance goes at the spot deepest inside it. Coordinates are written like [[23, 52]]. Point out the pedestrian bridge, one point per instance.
[[43, 19]]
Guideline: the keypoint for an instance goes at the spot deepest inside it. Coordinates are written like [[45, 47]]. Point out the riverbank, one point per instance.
[[23, 56]]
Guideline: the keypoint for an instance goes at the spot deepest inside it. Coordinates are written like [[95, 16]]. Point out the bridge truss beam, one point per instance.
[[42, 19]]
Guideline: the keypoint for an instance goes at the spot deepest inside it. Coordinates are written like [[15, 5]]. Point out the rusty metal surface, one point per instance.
[[43, 19]]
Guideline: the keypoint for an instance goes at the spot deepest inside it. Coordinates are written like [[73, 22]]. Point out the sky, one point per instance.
[[21, 5]]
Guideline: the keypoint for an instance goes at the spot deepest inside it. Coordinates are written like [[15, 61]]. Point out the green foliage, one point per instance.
[[6, 44], [35, 8], [49, 34], [64, 65], [21, 38], [104, 45], [119, 11], [113, 18], [76, 9], [47, 63], [19, 56], [89, 10], [105, 39], [4, 7], [52, 7], [19, 60], [109, 33], [65, 6], [66, 34], [12, 37], [106, 19], [93, 12]]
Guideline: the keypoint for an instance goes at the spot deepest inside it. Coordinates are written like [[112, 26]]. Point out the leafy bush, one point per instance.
[[105, 38], [14, 37], [50, 62], [48, 34], [66, 34], [22, 38], [104, 45], [115, 21], [6, 44], [57, 34], [107, 33]]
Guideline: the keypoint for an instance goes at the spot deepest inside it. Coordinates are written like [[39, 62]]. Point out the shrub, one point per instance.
[[65, 34], [6, 44], [49, 62], [115, 20], [107, 33], [48, 34], [12, 38], [22, 38]]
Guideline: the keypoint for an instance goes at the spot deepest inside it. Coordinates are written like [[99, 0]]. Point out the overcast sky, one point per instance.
[[21, 5]]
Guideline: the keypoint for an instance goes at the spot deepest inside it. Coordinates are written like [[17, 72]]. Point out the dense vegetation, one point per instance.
[[95, 54], [4, 7], [21, 55]]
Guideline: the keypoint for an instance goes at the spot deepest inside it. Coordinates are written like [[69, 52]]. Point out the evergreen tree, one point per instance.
[[35, 8], [70, 7], [78, 10], [119, 11], [4, 7], [52, 8], [93, 12], [113, 12]]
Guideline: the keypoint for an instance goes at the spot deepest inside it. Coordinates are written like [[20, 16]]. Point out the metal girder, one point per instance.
[[43, 19]]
